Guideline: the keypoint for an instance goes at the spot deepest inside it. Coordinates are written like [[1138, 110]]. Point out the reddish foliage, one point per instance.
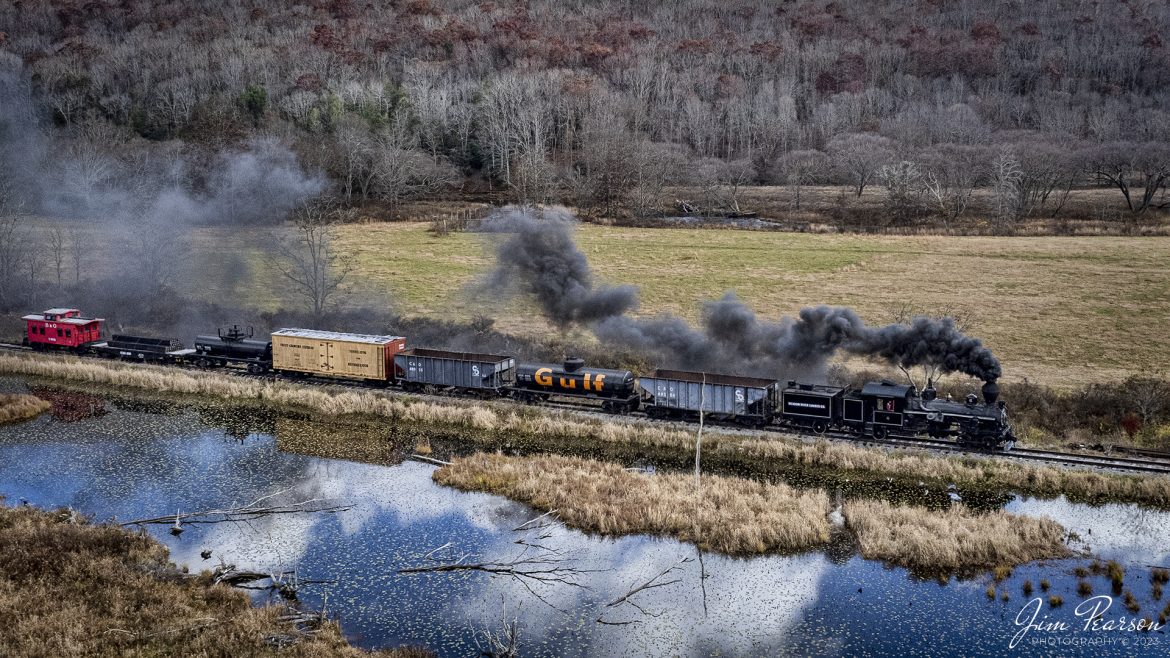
[[986, 33], [1131, 424], [827, 83], [422, 8], [640, 32], [594, 53], [309, 82], [1030, 29], [323, 37], [769, 50], [257, 14], [578, 85], [694, 46], [730, 86], [1153, 41]]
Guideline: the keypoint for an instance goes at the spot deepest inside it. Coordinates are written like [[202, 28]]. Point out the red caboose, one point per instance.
[[62, 327]]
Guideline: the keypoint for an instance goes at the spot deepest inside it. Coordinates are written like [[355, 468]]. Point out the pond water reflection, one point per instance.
[[133, 464]]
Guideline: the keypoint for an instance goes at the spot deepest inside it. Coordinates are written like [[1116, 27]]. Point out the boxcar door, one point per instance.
[[325, 356]]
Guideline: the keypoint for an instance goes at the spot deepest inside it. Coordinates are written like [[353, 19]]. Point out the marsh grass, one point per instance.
[[732, 515], [15, 408], [72, 588], [496, 424], [957, 539]]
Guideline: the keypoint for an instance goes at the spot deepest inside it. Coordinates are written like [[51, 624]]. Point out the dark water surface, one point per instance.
[[132, 464]]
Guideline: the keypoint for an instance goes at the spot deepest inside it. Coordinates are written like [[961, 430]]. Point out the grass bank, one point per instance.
[[72, 588], [21, 407], [501, 424], [738, 516], [956, 539], [732, 515]]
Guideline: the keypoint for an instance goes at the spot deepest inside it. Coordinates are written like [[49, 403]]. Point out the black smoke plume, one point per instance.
[[541, 258]]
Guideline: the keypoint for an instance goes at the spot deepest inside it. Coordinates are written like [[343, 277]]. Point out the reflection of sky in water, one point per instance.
[[1126, 533], [134, 464]]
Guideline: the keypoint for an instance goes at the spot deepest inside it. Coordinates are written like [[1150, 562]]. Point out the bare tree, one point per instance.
[[1006, 177], [1138, 171], [950, 174], [57, 252], [309, 259], [15, 245], [76, 253], [800, 168], [857, 157], [903, 183]]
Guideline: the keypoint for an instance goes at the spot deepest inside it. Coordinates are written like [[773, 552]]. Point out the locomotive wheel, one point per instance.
[[820, 427], [880, 433], [203, 363]]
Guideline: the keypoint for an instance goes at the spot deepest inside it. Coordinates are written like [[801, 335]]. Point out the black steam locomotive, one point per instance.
[[883, 408]]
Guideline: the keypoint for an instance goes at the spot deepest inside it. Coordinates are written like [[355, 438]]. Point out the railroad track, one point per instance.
[[1155, 462]]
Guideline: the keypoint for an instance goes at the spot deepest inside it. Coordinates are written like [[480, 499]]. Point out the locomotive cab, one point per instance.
[[880, 407]]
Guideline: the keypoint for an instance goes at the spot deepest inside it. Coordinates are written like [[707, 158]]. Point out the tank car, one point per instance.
[[233, 346], [540, 381]]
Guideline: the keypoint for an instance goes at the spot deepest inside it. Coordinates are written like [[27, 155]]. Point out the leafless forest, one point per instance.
[[610, 106]]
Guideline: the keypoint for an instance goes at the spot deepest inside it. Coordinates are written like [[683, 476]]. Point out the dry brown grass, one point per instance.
[[70, 588], [956, 539], [1024, 478], [21, 407], [732, 515], [491, 423]]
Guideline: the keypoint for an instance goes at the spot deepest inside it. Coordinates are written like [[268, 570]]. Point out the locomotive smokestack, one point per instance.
[[990, 392]]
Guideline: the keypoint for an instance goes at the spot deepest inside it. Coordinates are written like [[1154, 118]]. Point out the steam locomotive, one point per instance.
[[879, 409]]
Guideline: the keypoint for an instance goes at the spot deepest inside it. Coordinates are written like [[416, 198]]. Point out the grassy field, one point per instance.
[[1062, 311]]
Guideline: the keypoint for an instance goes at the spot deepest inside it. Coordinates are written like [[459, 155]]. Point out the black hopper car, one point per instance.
[[681, 394]]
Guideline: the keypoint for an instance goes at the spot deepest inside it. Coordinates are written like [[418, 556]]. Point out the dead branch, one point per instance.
[[652, 583], [431, 460], [252, 510], [523, 526]]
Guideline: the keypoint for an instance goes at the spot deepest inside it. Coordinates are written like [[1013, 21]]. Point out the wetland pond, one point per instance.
[[131, 462]]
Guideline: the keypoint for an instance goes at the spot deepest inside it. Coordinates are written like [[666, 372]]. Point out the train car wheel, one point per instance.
[[203, 363], [880, 433], [820, 427]]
